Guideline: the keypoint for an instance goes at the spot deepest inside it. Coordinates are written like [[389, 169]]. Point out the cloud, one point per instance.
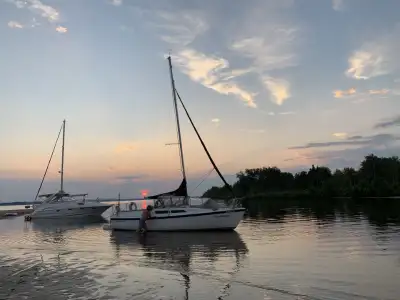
[[15, 24], [210, 71], [375, 58], [340, 134], [181, 29], [338, 5], [366, 64], [378, 92], [394, 121], [216, 121], [37, 7], [125, 147], [129, 178], [257, 131], [61, 29], [378, 139], [351, 152], [341, 94], [279, 89], [287, 113], [273, 49], [116, 2], [255, 43], [177, 27]]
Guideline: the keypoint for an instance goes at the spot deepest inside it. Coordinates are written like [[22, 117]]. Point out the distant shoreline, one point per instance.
[[38, 202]]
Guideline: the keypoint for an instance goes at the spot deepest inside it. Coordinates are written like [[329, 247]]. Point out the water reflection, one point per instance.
[[177, 251], [330, 249], [379, 212]]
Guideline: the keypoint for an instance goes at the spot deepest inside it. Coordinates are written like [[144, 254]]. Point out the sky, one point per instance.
[[286, 83]]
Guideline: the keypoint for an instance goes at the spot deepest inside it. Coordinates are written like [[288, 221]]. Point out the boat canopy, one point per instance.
[[50, 198]]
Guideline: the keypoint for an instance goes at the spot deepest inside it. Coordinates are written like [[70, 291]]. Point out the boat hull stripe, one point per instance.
[[183, 216]]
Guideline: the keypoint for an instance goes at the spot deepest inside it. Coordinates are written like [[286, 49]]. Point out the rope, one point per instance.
[[208, 174], [48, 164]]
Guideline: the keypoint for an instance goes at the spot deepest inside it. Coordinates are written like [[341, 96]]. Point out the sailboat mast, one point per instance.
[[177, 118], [62, 158]]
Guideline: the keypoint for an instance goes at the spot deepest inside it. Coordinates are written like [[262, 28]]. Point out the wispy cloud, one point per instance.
[[178, 28], [133, 177], [378, 92], [279, 89], [343, 93], [37, 7], [269, 43], [338, 5], [15, 24], [340, 135], [61, 29], [211, 72], [391, 122], [181, 29], [377, 139], [271, 50], [116, 2], [259, 131], [259, 44], [216, 121], [284, 113], [125, 147], [375, 58]]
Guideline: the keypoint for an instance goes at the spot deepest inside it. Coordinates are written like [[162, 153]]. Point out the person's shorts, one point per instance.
[[142, 223]]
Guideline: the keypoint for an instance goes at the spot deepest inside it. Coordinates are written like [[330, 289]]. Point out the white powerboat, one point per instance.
[[176, 211], [63, 205]]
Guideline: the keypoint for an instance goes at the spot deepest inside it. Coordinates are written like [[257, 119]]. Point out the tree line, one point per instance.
[[375, 177]]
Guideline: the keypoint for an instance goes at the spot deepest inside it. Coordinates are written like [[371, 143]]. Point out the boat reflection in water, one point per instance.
[[176, 251]]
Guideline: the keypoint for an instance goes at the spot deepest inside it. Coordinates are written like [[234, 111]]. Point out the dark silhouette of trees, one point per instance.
[[376, 177]]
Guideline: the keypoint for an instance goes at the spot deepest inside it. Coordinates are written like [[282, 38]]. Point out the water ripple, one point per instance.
[[295, 256]]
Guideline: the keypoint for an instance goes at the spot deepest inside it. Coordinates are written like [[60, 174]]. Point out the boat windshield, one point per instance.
[[62, 197], [174, 201], [170, 201]]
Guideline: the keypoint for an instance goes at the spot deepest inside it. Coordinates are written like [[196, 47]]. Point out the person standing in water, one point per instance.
[[146, 214]]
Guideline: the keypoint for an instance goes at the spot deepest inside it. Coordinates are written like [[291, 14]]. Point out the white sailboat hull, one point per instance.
[[181, 219], [69, 209]]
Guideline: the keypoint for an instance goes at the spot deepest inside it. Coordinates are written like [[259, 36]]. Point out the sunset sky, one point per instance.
[[285, 83]]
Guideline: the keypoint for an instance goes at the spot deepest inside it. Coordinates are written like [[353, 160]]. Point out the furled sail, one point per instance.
[[181, 191]]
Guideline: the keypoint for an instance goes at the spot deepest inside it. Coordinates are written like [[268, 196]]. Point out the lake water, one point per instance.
[[292, 253]]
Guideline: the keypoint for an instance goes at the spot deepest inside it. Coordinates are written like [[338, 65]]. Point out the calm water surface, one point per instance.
[[291, 254]]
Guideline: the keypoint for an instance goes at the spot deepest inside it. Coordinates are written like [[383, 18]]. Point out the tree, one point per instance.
[[376, 176]]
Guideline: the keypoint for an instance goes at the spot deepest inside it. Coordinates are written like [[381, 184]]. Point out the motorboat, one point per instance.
[[176, 210], [61, 204]]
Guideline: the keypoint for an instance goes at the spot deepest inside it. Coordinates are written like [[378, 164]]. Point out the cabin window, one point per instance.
[[69, 208], [177, 211], [161, 211]]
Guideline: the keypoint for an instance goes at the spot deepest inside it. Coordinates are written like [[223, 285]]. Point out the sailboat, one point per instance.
[[64, 205], [175, 210]]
